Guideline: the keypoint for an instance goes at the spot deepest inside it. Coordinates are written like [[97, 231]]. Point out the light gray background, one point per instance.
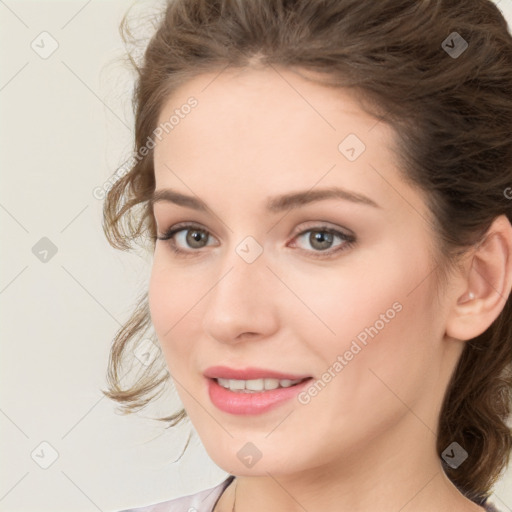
[[65, 128]]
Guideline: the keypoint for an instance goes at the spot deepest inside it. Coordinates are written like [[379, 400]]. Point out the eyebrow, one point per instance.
[[274, 204]]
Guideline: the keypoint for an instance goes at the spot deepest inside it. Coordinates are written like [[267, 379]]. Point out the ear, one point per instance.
[[484, 285]]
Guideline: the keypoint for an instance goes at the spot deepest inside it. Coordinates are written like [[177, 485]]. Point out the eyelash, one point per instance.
[[348, 240]]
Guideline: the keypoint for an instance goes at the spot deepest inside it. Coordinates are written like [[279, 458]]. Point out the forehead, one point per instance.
[[267, 105], [270, 130]]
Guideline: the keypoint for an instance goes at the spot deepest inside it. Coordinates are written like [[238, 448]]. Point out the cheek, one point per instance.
[[158, 298], [391, 363], [168, 299], [380, 319], [377, 381], [375, 296]]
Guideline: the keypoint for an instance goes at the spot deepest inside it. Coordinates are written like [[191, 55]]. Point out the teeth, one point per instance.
[[255, 385]]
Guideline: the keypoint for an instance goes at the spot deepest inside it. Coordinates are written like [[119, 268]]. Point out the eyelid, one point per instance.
[[321, 224]]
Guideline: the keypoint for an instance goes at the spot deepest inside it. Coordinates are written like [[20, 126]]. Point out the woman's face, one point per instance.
[[336, 288]]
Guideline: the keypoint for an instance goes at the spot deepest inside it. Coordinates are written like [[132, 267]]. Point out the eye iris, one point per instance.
[[321, 237], [195, 236]]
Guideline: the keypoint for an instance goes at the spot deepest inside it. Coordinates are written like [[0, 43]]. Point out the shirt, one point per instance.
[[205, 501], [202, 501]]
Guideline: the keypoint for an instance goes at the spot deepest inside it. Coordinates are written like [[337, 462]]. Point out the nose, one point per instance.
[[242, 305]]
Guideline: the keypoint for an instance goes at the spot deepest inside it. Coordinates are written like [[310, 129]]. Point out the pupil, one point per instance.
[[196, 236]]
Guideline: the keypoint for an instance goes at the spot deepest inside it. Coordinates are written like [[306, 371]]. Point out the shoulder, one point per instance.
[[202, 501]]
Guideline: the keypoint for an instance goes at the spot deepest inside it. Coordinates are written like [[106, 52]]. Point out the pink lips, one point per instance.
[[241, 403]]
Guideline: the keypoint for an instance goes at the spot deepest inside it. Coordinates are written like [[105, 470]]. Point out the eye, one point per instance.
[[321, 239], [188, 235], [186, 239]]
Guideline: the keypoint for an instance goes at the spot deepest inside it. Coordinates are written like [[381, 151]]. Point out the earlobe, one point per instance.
[[486, 284]]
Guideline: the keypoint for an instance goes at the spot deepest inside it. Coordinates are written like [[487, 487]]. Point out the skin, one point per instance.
[[366, 442]]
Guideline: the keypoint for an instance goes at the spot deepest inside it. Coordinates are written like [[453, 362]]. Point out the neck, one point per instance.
[[253, 494]]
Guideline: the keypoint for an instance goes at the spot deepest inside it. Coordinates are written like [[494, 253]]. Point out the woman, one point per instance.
[[327, 190]]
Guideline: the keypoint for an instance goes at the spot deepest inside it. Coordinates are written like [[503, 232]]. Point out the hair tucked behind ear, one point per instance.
[[452, 116]]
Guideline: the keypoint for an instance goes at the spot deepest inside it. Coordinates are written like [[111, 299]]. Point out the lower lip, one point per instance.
[[242, 403]]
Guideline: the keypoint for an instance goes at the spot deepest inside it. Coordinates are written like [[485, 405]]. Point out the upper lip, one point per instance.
[[224, 372]]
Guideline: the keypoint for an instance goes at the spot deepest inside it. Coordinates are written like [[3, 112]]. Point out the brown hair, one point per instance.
[[452, 115]]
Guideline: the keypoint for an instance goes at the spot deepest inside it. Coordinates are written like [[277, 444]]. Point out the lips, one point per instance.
[[244, 402], [224, 372]]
